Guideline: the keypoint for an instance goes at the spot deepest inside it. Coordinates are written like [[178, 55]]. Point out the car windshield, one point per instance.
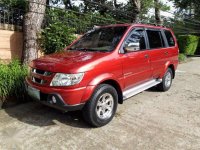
[[100, 39]]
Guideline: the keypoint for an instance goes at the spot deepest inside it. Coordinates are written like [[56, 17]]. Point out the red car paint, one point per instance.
[[125, 69]]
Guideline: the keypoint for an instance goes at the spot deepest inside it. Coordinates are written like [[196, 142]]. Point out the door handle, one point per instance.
[[146, 56], [166, 53]]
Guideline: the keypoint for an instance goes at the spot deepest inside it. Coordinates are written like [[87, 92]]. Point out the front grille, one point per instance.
[[40, 76], [41, 72]]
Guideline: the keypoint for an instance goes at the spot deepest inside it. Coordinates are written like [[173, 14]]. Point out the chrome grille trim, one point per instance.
[[39, 72]]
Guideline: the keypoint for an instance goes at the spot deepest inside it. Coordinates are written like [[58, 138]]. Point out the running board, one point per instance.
[[142, 87]]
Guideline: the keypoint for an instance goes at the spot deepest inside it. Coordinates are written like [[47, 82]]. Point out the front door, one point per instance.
[[136, 64]]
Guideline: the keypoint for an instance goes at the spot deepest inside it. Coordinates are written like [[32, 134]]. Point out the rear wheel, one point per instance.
[[166, 81], [101, 108]]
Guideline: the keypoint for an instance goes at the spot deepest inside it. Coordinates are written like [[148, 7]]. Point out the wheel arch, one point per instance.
[[103, 79], [116, 85], [171, 66]]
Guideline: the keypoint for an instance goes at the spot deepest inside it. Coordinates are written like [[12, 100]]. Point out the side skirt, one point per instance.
[[142, 87]]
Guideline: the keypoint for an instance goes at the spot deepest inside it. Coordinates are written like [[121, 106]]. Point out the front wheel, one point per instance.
[[101, 107], [166, 81]]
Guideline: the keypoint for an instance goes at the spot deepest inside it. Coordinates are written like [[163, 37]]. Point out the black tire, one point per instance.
[[92, 108], [163, 86]]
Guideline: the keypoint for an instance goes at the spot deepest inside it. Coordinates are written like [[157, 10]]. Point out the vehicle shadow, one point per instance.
[[152, 89], [40, 115]]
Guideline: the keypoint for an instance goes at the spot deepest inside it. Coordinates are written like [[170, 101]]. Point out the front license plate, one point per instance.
[[33, 92]]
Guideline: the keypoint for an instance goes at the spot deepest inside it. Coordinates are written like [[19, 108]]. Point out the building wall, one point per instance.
[[11, 44]]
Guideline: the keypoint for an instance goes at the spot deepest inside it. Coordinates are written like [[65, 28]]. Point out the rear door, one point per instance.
[[136, 64], [158, 51], [172, 47]]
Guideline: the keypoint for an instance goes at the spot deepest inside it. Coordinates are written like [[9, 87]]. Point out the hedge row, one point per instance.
[[198, 48], [188, 44]]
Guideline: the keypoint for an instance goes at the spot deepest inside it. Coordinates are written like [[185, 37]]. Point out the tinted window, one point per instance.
[[136, 38], [170, 38], [155, 39], [100, 39]]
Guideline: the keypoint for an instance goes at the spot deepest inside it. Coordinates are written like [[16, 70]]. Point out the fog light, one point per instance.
[[54, 99]]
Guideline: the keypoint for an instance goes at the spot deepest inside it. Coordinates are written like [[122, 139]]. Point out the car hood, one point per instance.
[[69, 61]]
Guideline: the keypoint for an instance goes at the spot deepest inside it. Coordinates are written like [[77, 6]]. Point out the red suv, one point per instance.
[[105, 66]]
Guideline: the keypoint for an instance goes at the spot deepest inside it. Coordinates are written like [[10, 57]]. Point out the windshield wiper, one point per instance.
[[88, 49], [83, 49]]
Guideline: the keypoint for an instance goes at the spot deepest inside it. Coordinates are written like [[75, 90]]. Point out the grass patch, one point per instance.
[[182, 57], [12, 77]]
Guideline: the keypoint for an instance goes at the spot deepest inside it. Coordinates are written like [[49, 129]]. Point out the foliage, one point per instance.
[[12, 11], [61, 26], [12, 80], [188, 44], [58, 34], [56, 37], [19, 4], [198, 48], [190, 11], [98, 19], [182, 57]]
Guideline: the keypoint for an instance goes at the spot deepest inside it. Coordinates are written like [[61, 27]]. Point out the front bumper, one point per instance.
[[63, 99]]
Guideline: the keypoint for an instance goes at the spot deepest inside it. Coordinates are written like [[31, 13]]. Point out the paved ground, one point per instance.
[[149, 120]]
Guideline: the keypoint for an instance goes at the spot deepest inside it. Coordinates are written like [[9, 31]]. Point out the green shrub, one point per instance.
[[198, 48], [182, 57], [12, 80], [57, 35], [188, 44]]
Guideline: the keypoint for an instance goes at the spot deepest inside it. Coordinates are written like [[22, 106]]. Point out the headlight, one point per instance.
[[61, 79]]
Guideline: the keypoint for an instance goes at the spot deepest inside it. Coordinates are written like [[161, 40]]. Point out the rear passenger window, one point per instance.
[[170, 38], [155, 39]]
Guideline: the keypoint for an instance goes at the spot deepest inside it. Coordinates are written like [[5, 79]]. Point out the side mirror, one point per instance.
[[131, 47]]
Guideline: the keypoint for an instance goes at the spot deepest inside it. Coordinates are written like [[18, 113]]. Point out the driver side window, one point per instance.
[[136, 39]]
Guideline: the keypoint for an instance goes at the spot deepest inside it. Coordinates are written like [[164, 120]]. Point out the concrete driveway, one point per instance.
[[149, 120]]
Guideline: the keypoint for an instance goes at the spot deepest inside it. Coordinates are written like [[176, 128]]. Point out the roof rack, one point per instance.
[[153, 24]]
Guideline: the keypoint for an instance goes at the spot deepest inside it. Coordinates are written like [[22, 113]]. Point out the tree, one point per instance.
[[68, 4], [136, 10], [12, 10], [32, 25], [18, 4], [139, 9], [157, 12], [189, 6], [189, 12]]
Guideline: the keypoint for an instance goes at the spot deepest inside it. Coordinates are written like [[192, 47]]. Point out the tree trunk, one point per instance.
[[116, 6], [136, 10], [157, 12], [68, 4], [32, 25], [85, 9], [48, 2]]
